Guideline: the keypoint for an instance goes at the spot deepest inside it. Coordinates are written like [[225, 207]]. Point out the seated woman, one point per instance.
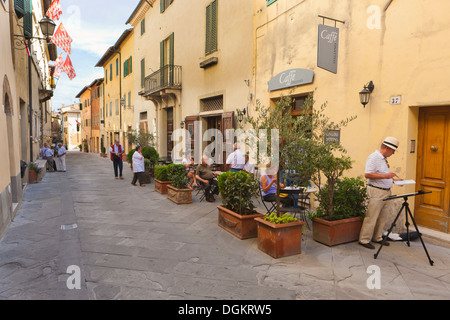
[[269, 189], [190, 170]]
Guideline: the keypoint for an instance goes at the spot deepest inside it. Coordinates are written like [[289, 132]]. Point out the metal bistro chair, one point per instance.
[[270, 206]]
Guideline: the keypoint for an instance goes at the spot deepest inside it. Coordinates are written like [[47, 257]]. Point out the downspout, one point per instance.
[[30, 101]]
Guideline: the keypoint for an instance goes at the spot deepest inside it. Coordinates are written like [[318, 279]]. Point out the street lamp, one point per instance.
[[47, 27], [364, 95]]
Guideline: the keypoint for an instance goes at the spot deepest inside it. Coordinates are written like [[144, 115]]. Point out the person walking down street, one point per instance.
[[117, 153], [138, 167], [48, 155], [61, 157], [380, 180]]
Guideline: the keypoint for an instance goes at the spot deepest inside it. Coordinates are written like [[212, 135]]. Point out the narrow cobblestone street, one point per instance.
[[132, 243]]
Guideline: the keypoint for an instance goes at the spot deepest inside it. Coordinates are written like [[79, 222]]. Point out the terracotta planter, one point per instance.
[[32, 177], [161, 186], [332, 233], [280, 240], [242, 227], [179, 196]]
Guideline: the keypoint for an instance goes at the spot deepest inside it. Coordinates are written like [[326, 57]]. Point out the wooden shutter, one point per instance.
[[28, 19], [163, 6], [171, 58], [142, 73], [130, 67], [161, 62], [19, 7], [211, 28]]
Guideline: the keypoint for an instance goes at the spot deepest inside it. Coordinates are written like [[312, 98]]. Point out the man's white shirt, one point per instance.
[[377, 163]]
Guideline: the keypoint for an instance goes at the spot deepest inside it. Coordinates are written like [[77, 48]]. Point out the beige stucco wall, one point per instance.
[[407, 56], [187, 21]]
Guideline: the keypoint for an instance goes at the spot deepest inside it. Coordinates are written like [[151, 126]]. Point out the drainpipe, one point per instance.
[[30, 101]]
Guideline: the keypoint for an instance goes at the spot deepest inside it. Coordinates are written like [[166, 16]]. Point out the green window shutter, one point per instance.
[[211, 27], [171, 57], [130, 68], [106, 75], [142, 26], [125, 68], [19, 7], [163, 6], [117, 67], [161, 62], [142, 73], [28, 19], [110, 72]]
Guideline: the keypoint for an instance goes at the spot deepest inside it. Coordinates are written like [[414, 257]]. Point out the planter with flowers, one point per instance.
[[34, 172], [280, 236]]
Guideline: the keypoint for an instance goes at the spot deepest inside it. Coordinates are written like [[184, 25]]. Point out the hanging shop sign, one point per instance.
[[328, 48], [291, 78]]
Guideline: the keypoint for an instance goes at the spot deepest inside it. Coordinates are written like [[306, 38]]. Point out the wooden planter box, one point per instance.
[[179, 196], [332, 233], [242, 227], [280, 240], [161, 186]]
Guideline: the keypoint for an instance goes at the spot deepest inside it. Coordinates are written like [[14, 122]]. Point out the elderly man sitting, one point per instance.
[[205, 176]]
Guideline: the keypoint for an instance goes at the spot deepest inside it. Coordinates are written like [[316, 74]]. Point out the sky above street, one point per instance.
[[94, 26]]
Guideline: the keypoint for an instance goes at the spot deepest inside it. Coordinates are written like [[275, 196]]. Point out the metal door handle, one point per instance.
[[434, 148]]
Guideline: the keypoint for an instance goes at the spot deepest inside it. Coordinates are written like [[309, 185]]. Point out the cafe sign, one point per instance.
[[328, 48], [291, 78]]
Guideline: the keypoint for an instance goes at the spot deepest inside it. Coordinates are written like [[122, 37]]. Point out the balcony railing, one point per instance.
[[169, 77]]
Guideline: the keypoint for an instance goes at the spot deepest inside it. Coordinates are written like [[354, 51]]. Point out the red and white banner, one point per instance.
[[62, 39], [68, 68], [59, 64], [55, 10]]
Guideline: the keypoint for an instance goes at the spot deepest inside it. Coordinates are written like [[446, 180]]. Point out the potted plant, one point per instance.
[[349, 205], [280, 235], [152, 155], [34, 172], [178, 191], [103, 153], [80, 146], [162, 179], [237, 214]]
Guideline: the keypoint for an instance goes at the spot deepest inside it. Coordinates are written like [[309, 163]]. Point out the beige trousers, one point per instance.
[[376, 214]]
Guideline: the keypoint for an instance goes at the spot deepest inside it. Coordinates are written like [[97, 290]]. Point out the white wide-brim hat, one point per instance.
[[392, 143]]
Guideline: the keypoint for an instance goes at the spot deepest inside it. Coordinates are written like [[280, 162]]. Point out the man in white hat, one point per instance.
[[380, 180]]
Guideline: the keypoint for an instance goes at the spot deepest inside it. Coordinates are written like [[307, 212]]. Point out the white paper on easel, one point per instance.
[[404, 182]]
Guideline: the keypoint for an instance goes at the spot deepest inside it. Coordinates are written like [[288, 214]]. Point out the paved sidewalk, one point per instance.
[[132, 243]]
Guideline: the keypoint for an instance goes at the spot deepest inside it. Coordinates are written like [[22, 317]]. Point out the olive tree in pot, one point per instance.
[[178, 190], [237, 214]]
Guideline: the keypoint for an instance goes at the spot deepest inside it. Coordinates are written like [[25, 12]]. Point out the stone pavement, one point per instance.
[[132, 243]]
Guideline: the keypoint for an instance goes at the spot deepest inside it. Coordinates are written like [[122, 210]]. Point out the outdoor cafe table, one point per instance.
[[297, 192]]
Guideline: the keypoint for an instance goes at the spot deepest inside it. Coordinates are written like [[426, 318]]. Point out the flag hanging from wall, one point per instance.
[[68, 68], [62, 39], [55, 10], [59, 64]]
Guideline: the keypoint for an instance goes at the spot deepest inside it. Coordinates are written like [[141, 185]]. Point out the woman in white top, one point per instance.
[[138, 166]]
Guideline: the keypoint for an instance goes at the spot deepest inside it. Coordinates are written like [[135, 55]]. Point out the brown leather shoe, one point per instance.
[[386, 244], [368, 245]]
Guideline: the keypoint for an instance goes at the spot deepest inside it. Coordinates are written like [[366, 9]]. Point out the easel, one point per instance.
[[405, 207]]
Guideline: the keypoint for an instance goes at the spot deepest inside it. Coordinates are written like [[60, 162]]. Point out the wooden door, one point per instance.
[[190, 127], [228, 123], [169, 133], [433, 168]]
